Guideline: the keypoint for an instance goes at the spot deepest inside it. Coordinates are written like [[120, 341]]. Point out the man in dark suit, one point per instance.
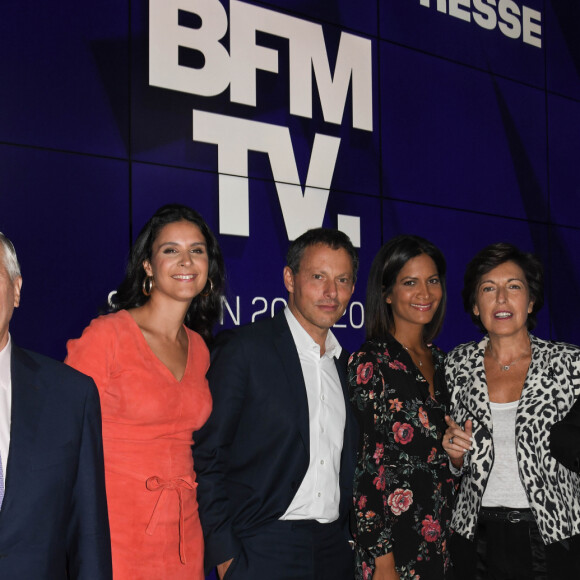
[[53, 508], [275, 462]]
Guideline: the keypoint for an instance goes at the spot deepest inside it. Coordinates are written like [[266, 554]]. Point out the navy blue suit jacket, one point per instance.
[[252, 454], [53, 521]]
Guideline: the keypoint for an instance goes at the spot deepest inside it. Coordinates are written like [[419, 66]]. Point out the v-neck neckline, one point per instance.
[[418, 373], [150, 350]]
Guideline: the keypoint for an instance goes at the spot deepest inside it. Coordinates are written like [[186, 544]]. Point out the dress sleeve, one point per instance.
[[93, 353], [373, 522]]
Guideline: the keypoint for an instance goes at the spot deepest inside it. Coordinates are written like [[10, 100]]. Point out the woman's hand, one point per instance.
[[457, 441], [385, 568]]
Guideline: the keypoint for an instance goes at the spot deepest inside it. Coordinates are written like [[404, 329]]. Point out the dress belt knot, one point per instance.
[[178, 484]]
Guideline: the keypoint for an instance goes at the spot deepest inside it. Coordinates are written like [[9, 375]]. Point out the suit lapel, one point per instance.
[[27, 402], [540, 372], [341, 363], [288, 354], [474, 396]]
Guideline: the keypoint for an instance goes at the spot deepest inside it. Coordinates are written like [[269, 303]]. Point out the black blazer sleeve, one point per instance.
[[565, 439], [227, 378]]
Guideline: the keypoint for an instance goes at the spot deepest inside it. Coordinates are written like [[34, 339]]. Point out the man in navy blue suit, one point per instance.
[[53, 507], [275, 461]]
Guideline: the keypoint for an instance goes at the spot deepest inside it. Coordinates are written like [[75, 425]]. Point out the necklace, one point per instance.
[[504, 367], [411, 355]]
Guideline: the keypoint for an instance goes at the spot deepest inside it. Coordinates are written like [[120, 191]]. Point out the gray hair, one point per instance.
[[10, 259]]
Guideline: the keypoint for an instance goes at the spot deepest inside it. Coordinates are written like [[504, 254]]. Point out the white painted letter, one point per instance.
[[489, 21], [509, 12], [166, 36], [532, 25], [307, 53], [234, 138]]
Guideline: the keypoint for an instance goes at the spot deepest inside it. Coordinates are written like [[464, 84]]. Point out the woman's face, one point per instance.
[[503, 300], [417, 292], [179, 262]]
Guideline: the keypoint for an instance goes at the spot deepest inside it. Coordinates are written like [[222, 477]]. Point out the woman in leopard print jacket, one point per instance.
[[518, 510]]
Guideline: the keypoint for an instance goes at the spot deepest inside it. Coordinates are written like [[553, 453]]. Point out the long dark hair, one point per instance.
[[385, 268], [206, 308]]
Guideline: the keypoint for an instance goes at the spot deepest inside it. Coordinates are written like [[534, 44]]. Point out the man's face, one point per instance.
[[319, 292], [9, 299]]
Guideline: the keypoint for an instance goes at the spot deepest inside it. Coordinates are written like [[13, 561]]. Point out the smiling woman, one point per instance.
[[403, 487], [149, 360], [506, 393]]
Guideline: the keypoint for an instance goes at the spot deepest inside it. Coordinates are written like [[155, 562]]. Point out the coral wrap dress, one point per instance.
[[148, 420]]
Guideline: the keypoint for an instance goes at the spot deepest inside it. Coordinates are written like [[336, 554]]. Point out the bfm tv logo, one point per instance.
[[302, 209]]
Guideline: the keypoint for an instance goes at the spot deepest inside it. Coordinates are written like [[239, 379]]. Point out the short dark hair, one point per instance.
[[385, 268], [332, 238], [493, 256], [206, 307]]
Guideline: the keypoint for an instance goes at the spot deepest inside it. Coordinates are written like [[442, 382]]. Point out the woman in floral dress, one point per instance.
[[403, 486]]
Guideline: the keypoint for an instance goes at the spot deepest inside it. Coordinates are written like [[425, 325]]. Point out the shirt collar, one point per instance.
[[305, 343], [5, 359]]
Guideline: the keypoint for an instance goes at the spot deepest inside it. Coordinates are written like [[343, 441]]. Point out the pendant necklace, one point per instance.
[[504, 367], [418, 359]]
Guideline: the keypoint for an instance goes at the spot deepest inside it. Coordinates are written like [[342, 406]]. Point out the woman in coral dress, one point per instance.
[[149, 359], [403, 486]]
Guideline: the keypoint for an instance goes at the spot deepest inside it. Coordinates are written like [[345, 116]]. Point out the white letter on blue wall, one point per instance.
[[235, 138]]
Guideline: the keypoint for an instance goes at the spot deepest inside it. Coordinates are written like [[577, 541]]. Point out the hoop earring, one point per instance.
[[206, 293], [147, 285]]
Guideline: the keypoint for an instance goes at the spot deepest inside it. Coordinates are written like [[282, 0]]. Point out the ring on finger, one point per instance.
[[450, 440]]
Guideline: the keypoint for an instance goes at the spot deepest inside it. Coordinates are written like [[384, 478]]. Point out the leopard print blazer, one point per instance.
[[551, 387]]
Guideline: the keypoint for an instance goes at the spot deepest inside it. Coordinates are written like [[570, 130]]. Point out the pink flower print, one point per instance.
[[423, 418], [396, 405], [397, 365], [432, 454], [403, 432], [431, 529], [379, 452], [364, 372], [367, 572], [400, 500], [380, 480], [362, 502]]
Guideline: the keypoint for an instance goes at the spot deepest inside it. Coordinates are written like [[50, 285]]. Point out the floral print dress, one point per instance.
[[403, 488]]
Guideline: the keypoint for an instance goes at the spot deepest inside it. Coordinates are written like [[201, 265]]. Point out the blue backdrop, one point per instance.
[[458, 121]]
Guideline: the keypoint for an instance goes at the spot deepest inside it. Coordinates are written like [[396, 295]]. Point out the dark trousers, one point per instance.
[[512, 551], [301, 550]]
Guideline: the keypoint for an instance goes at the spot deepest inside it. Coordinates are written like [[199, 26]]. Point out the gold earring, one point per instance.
[[147, 285], [206, 293]]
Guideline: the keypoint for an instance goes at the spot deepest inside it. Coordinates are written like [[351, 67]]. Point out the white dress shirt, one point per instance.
[[5, 402], [318, 496]]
